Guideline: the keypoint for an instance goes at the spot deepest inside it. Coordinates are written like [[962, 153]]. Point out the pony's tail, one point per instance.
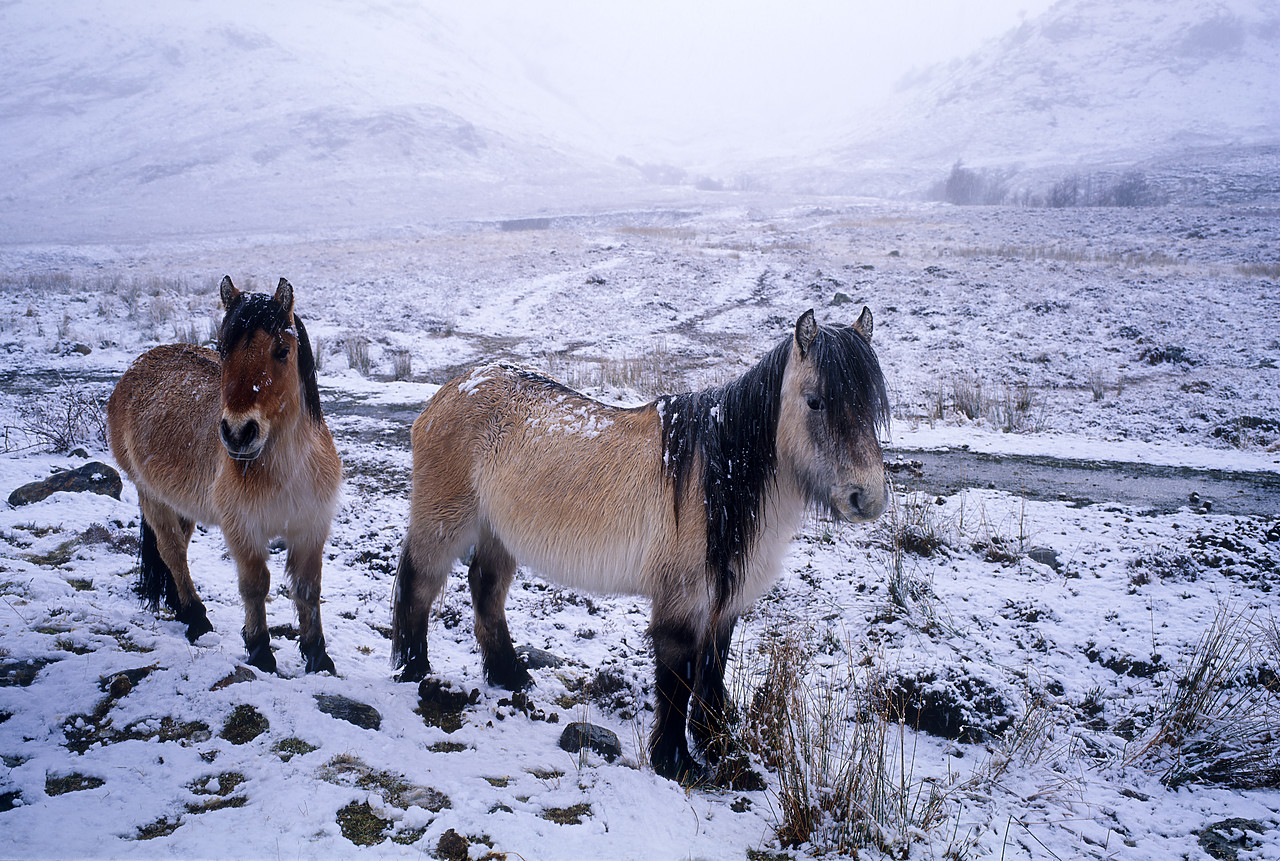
[[155, 580], [402, 639]]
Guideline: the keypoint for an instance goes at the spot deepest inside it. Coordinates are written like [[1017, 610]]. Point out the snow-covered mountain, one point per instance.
[[1090, 83], [135, 119]]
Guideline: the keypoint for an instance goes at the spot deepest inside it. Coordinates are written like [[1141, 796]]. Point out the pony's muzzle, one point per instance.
[[243, 440], [862, 503]]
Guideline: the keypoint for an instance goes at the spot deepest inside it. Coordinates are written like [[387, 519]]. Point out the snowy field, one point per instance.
[[1040, 643]]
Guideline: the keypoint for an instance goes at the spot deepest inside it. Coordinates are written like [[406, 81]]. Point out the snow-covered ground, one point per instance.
[[1144, 336]]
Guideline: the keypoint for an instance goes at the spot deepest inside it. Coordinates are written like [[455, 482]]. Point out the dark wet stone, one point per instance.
[[94, 476], [453, 846], [962, 708], [349, 710], [1223, 840], [1045, 556], [235, 677], [121, 683], [22, 673], [538, 659], [578, 735]]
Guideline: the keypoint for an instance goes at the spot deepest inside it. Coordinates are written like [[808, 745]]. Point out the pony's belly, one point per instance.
[[615, 567]]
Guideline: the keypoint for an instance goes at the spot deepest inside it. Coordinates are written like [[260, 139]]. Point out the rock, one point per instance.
[[453, 846], [23, 672], [349, 710], [235, 677], [1045, 556], [121, 683], [840, 299], [578, 735], [94, 476], [538, 659], [1223, 840]]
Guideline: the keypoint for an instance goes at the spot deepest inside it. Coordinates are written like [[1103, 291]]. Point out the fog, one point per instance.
[[710, 80]]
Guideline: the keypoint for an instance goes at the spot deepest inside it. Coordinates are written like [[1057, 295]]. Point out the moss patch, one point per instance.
[[74, 782], [288, 748], [162, 827], [361, 825], [244, 725], [567, 815]]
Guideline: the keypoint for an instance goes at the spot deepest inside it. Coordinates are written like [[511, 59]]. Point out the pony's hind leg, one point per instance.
[[303, 569], [708, 719], [675, 647], [422, 572], [490, 575], [164, 572]]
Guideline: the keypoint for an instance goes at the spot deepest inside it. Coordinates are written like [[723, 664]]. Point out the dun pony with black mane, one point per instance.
[[689, 500], [233, 438]]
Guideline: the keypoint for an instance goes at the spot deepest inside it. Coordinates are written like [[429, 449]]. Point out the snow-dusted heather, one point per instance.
[[1171, 313]]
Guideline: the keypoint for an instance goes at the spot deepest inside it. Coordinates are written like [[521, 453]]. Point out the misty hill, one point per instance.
[[1176, 87], [143, 119]]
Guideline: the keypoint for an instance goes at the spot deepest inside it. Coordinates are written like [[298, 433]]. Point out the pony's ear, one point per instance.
[[806, 331], [229, 292], [284, 295], [864, 324]]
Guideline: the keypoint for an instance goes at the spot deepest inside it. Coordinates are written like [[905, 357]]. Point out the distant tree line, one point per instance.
[[966, 186]]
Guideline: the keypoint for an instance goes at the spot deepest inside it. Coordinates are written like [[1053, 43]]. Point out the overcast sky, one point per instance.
[[661, 74]]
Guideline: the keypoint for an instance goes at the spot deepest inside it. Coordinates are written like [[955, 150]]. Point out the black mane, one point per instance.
[[253, 311], [733, 429]]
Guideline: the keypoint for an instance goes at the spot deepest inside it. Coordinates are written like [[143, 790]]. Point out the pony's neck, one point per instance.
[[730, 434]]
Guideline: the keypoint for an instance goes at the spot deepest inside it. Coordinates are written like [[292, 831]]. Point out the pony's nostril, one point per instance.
[[855, 500], [238, 440]]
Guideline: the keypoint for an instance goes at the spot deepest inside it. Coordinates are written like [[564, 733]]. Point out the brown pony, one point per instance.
[[690, 500], [235, 439]]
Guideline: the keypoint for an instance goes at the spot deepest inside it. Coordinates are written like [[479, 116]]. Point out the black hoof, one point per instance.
[[513, 676], [415, 669], [676, 764], [316, 659], [196, 620], [260, 654]]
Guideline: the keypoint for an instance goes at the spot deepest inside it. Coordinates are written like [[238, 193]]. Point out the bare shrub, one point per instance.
[[358, 358], [966, 395], [1014, 410], [1097, 385], [1259, 270], [1219, 713], [651, 372], [842, 757], [968, 187], [73, 415], [320, 349], [401, 364]]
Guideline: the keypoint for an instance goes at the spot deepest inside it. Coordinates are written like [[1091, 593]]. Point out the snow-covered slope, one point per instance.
[[135, 119], [1091, 82]]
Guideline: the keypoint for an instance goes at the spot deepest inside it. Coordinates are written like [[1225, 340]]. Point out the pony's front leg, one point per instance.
[[708, 719], [675, 647], [255, 581], [303, 569]]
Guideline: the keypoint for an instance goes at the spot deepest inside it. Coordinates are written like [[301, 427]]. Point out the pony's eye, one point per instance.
[[815, 403], [281, 353]]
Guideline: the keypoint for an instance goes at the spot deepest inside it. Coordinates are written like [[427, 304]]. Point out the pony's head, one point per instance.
[[832, 410], [268, 370]]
